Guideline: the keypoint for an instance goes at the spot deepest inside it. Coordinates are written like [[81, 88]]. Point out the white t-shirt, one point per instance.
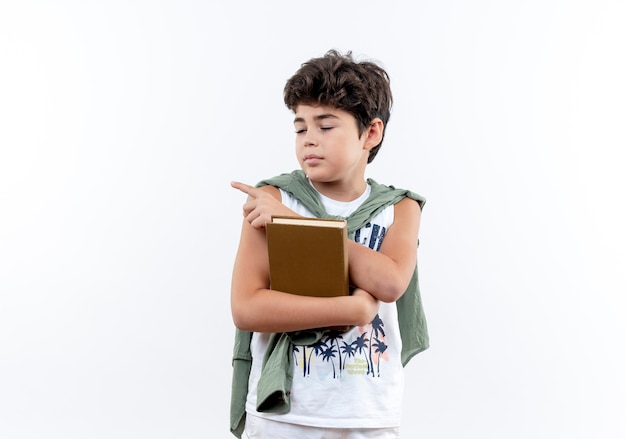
[[356, 379]]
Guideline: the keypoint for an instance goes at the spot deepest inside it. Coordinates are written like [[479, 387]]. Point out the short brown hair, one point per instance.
[[359, 87]]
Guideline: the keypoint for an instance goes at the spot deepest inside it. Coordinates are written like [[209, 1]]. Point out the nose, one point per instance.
[[309, 139]]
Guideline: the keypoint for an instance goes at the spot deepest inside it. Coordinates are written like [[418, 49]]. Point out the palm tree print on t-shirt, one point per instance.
[[361, 355]]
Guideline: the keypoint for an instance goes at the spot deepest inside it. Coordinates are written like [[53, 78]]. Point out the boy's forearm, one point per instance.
[[275, 311], [377, 273]]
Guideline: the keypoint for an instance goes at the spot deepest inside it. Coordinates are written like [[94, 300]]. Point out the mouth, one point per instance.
[[312, 158]]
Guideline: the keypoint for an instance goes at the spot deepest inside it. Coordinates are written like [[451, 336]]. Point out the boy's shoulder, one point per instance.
[[285, 180], [380, 190]]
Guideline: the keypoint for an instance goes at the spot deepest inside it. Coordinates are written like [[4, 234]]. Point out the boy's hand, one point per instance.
[[261, 205], [370, 304]]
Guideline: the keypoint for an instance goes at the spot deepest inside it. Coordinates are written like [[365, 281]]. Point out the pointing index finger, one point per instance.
[[245, 188]]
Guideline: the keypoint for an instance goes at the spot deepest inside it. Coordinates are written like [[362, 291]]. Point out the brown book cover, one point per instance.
[[308, 256]]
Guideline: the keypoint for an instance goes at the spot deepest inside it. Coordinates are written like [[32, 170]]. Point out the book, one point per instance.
[[308, 256]]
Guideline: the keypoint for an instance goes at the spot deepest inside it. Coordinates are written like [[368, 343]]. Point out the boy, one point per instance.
[[295, 381]]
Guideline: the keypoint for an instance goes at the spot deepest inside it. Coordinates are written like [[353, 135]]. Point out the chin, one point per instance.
[[315, 175]]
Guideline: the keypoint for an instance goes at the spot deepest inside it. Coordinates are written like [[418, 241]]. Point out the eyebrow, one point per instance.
[[317, 118]]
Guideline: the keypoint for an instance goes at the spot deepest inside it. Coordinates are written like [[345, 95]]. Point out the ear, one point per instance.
[[373, 133]]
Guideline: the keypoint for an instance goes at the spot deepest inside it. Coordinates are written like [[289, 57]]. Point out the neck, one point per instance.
[[341, 192]]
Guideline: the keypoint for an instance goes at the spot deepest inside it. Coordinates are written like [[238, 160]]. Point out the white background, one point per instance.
[[123, 122]]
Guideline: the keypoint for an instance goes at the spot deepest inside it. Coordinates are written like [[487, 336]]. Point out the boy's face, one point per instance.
[[328, 146]]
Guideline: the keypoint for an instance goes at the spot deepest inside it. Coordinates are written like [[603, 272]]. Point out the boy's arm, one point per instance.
[[386, 274], [255, 307]]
